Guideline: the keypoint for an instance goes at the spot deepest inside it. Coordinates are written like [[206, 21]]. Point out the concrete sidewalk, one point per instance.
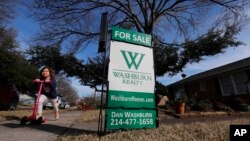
[[49, 131]]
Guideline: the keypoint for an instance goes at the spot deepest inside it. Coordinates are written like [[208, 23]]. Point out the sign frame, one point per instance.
[[132, 52]]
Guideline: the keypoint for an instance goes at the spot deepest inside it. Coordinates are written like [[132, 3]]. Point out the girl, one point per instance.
[[48, 90]]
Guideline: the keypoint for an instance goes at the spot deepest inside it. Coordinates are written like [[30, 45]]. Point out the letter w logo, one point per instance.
[[132, 56]]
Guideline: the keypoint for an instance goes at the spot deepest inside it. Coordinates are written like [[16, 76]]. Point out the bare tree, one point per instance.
[[6, 10], [186, 30], [65, 89]]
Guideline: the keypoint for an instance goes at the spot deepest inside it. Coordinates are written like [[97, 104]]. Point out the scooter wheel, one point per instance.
[[40, 120], [24, 120], [33, 122]]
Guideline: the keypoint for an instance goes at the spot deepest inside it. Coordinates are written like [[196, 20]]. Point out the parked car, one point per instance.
[[48, 104], [64, 105], [25, 99], [27, 102], [8, 97]]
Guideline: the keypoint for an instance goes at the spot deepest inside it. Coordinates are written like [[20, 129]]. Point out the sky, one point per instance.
[[27, 27]]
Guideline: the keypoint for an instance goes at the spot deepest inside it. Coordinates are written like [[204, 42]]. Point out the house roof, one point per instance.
[[216, 71]]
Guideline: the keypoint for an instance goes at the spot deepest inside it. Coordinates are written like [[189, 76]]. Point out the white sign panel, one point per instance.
[[131, 68]]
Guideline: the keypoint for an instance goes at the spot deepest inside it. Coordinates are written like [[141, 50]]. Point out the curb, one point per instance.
[[203, 114], [210, 114]]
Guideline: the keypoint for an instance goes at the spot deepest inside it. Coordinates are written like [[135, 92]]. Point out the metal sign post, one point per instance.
[[102, 48]]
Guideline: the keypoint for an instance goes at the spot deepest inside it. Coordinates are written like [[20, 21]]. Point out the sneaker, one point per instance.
[[38, 115]]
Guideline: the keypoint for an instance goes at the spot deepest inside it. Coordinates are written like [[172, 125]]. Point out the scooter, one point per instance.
[[32, 119]]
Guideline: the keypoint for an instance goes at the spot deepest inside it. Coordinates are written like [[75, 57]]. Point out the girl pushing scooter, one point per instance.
[[47, 90]]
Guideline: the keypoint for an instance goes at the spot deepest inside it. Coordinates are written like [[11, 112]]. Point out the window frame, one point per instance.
[[233, 83]]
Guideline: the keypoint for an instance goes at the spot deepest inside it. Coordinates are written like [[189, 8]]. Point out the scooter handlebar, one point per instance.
[[40, 81], [37, 81]]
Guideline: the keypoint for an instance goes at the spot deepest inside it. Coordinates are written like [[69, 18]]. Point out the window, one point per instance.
[[180, 93], [226, 85], [240, 80], [236, 83]]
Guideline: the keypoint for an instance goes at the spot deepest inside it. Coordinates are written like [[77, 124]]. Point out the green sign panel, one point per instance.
[[130, 119], [130, 99], [124, 35]]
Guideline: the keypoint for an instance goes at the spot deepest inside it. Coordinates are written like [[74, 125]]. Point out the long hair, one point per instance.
[[51, 72]]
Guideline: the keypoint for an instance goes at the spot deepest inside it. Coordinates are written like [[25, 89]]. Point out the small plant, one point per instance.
[[240, 104], [181, 101]]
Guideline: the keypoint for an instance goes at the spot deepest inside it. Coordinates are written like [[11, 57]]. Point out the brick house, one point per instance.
[[224, 83]]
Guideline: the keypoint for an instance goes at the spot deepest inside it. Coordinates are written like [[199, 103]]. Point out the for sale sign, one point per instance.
[[131, 80], [128, 36]]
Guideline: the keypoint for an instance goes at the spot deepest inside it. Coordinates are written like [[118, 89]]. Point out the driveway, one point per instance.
[[49, 131]]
